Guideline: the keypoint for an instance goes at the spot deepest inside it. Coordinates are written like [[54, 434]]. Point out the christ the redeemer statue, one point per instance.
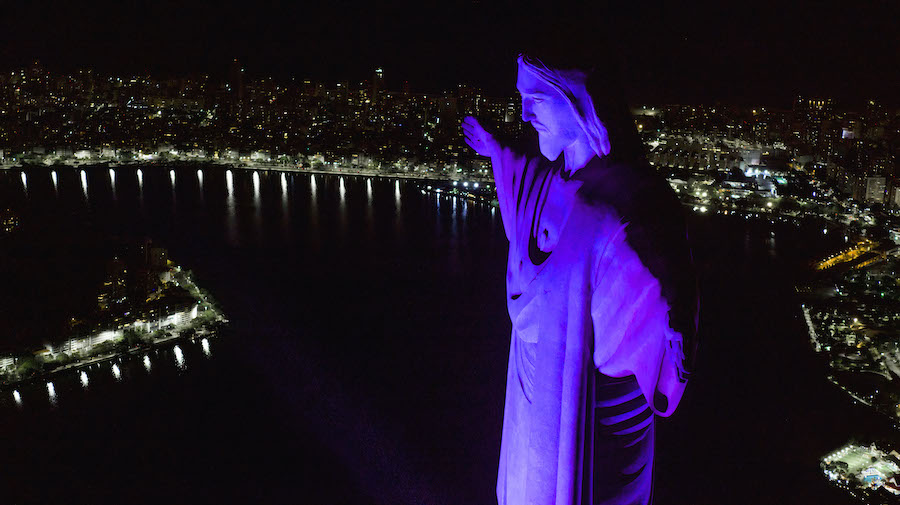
[[600, 290]]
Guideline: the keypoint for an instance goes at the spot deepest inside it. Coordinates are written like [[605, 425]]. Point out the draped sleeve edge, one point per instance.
[[632, 334]]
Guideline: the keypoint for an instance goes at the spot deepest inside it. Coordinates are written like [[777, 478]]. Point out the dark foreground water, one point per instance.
[[365, 360]]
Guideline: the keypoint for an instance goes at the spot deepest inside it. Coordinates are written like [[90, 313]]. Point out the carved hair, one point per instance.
[[571, 85]]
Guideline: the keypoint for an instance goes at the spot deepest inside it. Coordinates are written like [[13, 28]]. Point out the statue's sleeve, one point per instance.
[[632, 334], [510, 171]]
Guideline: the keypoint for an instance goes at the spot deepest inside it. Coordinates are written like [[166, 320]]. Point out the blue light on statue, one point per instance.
[[590, 320]]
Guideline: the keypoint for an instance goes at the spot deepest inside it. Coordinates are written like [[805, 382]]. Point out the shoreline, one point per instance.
[[212, 320], [104, 358], [453, 190], [227, 165]]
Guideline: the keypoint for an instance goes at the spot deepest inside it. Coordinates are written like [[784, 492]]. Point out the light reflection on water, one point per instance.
[[179, 357], [172, 180], [140, 178], [257, 216], [398, 223], [370, 216], [249, 220], [200, 183], [285, 217], [232, 218], [342, 192], [82, 379], [51, 392], [313, 209], [112, 182], [453, 215]]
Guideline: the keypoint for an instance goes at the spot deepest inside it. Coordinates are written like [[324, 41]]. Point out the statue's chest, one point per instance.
[[546, 291]]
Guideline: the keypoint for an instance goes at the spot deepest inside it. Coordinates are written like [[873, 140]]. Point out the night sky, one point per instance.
[[674, 52]]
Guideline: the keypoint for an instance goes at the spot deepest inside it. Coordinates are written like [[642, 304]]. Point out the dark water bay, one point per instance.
[[365, 359]]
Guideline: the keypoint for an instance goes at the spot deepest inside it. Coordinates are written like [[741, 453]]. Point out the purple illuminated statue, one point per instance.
[[600, 290]]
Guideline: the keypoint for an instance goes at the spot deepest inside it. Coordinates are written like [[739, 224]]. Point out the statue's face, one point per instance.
[[548, 112]]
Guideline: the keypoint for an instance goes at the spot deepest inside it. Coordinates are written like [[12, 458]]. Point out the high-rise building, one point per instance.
[[870, 189], [811, 113], [377, 85], [895, 198], [236, 86]]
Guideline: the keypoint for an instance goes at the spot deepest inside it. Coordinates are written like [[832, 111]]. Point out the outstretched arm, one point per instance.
[[479, 139], [507, 165]]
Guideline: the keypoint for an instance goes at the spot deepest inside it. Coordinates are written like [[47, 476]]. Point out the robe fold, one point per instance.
[[600, 295]]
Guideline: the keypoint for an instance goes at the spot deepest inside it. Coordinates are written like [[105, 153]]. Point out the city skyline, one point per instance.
[[759, 54]]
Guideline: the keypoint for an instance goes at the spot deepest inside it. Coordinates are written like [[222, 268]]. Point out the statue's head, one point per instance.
[[568, 97], [549, 104]]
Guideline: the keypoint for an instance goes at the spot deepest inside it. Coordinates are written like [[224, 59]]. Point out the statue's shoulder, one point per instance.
[[653, 225]]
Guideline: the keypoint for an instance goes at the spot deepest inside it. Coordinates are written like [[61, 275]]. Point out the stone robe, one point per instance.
[[586, 307]]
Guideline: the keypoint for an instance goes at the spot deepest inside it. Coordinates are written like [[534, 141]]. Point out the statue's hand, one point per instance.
[[478, 138]]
